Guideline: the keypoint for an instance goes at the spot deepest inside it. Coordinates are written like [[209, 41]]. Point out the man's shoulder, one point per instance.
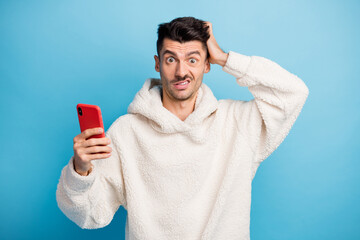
[[235, 108], [123, 122], [228, 103]]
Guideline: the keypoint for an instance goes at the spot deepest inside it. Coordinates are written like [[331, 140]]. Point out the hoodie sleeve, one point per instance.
[[91, 201], [278, 99]]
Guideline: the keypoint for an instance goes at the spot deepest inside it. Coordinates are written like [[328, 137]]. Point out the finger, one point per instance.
[[90, 132], [96, 142], [86, 134], [97, 149], [210, 27], [98, 156]]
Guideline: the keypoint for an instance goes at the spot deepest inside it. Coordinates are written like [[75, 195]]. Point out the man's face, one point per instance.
[[182, 67]]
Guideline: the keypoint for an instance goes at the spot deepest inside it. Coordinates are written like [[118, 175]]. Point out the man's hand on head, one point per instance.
[[217, 55]]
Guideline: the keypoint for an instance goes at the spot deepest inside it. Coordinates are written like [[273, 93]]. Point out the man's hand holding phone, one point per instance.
[[87, 149]]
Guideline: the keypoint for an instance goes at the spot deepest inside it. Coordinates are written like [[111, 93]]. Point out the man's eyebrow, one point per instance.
[[188, 54], [169, 52], [193, 52]]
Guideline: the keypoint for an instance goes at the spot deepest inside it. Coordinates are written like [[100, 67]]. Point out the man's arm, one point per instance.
[[278, 99], [92, 200]]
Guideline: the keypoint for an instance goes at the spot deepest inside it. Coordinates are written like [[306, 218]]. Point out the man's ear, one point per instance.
[[157, 63], [207, 66]]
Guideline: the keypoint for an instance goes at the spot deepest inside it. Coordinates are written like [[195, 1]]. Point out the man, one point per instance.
[[181, 162]]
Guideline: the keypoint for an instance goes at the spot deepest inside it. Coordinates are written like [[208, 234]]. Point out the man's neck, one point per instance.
[[181, 109]]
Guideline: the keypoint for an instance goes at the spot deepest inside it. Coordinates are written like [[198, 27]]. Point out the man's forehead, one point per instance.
[[184, 47]]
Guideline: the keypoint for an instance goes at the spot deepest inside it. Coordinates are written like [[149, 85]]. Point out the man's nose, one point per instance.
[[181, 69]]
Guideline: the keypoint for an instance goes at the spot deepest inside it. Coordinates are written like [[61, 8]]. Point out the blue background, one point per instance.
[[55, 54]]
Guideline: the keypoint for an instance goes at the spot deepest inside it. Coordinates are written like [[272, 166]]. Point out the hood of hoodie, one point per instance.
[[147, 102]]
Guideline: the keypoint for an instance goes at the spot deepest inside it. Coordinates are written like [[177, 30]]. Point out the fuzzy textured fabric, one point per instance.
[[187, 180]]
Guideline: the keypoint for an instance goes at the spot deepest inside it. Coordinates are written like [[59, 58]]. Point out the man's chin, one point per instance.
[[183, 97]]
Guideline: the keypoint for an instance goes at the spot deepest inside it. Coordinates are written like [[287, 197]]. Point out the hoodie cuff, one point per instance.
[[77, 182], [237, 64]]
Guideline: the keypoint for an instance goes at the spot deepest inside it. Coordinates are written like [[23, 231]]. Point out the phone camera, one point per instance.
[[80, 111]]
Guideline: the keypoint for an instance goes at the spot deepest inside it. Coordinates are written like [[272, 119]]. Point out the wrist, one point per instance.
[[83, 171], [221, 60]]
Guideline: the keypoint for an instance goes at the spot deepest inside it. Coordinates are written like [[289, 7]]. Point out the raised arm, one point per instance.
[[278, 98]]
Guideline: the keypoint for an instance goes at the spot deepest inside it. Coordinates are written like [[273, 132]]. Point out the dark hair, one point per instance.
[[182, 30]]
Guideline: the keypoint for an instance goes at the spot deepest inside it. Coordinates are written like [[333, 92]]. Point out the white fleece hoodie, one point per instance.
[[187, 180]]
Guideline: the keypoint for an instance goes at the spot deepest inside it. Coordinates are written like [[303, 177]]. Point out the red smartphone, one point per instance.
[[90, 117]]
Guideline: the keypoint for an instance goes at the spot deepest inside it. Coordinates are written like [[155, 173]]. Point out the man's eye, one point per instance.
[[192, 60], [170, 59]]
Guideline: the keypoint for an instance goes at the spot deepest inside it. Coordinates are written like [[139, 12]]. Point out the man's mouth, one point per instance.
[[182, 84]]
